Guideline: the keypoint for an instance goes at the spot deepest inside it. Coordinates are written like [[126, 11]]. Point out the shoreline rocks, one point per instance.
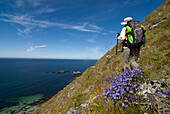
[[29, 108], [77, 73], [62, 71]]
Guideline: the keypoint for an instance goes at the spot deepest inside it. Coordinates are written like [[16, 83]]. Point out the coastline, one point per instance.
[[25, 108], [33, 83]]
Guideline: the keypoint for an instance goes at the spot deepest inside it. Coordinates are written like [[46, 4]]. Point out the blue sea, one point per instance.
[[23, 81]]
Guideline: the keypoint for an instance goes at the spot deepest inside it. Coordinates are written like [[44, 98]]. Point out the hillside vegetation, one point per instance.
[[89, 88]]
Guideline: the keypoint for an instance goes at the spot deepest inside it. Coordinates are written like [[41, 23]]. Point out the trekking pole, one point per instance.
[[116, 50], [116, 46]]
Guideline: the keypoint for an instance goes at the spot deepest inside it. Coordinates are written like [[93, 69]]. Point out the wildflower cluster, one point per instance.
[[123, 87]]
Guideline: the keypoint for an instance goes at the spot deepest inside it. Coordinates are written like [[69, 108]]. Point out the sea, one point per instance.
[[23, 82]]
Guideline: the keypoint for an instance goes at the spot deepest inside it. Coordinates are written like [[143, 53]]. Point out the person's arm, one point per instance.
[[122, 34]]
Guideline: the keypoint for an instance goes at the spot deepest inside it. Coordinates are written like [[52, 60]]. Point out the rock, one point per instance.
[[62, 99], [92, 66], [62, 71], [96, 97], [89, 88], [151, 90], [85, 105], [108, 56], [160, 13], [72, 88], [72, 111], [149, 86], [59, 96], [36, 100], [69, 112], [28, 107], [143, 87], [22, 113], [30, 112], [144, 92], [17, 111], [153, 100], [77, 73], [69, 95], [148, 25], [153, 26]]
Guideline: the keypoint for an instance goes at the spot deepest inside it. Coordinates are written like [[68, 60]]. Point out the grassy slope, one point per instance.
[[156, 53]]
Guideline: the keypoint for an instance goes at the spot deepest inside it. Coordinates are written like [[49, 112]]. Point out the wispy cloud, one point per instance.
[[34, 3], [126, 2], [27, 3], [19, 2], [32, 48], [92, 39], [112, 31], [64, 40], [29, 23], [85, 27], [94, 50], [45, 10]]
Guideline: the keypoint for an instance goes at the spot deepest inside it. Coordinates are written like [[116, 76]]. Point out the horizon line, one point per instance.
[[46, 58]]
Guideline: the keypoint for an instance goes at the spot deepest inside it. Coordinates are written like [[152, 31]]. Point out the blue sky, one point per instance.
[[65, 29]]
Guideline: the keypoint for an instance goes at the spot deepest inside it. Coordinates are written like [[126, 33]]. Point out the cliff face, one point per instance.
[[88, 87]]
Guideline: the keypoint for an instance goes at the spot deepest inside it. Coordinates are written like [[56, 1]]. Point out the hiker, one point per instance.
[[133, 37]]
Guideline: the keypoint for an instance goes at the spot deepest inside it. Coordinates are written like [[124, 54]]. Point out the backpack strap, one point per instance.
[[144, 34]]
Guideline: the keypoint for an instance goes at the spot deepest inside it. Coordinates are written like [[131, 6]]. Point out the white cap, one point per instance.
[[126, 20]]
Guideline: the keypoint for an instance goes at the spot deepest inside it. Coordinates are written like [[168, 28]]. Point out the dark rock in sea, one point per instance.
[[62, 71], [30, 112], [22, 113], [28, 107], [77, 73], [12, 112], [17, 111], [36, 100]]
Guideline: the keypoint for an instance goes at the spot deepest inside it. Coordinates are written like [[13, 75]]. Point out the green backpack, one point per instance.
[[135, 34]]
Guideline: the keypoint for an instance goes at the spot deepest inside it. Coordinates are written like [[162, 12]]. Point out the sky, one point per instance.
[[65, 29]]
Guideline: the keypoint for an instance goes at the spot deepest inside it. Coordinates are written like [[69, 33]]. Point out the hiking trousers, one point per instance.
[[130, 56]]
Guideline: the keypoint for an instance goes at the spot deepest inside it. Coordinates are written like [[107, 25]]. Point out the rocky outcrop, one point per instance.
[[62, 71], [77, 73], [89, 88], [155, 25], [78, 110], [155, 94]]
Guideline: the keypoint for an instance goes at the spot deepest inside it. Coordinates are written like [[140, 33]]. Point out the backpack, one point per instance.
[[135, 34]]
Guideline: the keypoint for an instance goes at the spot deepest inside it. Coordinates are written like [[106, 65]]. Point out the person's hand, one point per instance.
[[117, 35]]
